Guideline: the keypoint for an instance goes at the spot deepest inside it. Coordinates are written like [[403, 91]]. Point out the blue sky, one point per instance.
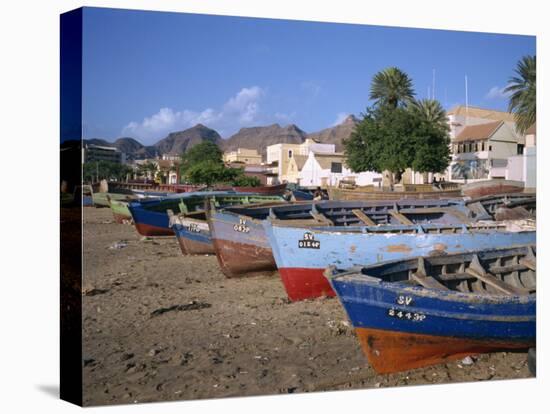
[[146, 74]]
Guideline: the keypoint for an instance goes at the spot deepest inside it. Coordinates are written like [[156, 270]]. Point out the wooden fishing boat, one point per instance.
[[192, 229], [151, 217], [492, 187], [512, 206], [121, 212], [370, 193], [241, 244], [422, 311], [104, 199], [303, 253], [278, 189]]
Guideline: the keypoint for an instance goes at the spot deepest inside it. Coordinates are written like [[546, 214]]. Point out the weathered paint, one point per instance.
[[390, 352], [224, 226], [303, 284], [120, 210], [193, 236], [492, 187], [240, 244], [153, 213], [360, 194], [403, 326], [374, 244]]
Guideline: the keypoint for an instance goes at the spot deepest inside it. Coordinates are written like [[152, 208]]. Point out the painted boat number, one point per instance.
[[241, 227], [404, 314], [193, 228], [309, 242], [401, 314]]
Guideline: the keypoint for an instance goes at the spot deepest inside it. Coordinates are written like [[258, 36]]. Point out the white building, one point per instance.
[[287, 159], [484, 144], [322, 170], [524, 167]]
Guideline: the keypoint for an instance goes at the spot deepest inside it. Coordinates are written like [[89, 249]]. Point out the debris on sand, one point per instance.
[[193, 305], [338, 328], [118, 245], [467, 361], [94, 291], [89, 362]]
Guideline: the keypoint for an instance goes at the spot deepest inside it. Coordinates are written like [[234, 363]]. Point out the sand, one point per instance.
[[161, 326]]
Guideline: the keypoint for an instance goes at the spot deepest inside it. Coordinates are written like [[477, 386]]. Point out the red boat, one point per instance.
[[492, 187], [264, 190]]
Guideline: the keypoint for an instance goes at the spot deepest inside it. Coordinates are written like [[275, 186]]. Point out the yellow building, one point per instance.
[[244, 155]]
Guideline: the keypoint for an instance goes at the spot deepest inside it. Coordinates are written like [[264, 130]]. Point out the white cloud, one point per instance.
[[239, 111], [340, 118], [497, 92]]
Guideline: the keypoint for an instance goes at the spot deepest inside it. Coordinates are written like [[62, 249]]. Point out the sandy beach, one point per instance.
[[162, 326]]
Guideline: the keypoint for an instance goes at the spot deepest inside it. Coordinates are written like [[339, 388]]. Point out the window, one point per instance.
[[482, 145], [335, 167], [520, 149], [289, 153], [490, 147]]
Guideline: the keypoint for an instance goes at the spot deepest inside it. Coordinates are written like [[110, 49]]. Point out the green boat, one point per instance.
[[189, 204], [121, 214], [103, 199]]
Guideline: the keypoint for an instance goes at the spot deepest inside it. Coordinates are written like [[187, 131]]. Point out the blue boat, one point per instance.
[[421, 311], [151, 216], [192, 230], [303, 253], [241, 244]]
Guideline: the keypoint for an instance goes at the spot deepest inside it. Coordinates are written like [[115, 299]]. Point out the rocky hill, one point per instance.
[[259, 138], [179, 142], [336, 134]]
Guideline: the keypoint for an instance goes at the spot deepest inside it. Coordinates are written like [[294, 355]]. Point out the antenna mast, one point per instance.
[[466, 86]]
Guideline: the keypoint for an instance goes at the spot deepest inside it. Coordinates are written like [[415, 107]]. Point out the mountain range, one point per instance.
[[258, 138]]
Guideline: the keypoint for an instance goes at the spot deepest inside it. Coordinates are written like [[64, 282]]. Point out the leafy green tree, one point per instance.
[[246, 181], [395, 139], [205, 151], [98, 170], [391, 87], [523, 90], [210, 172]]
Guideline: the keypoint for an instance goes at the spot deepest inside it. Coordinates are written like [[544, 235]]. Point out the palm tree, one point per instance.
[[523, 90], [391, 87], [431, 111]]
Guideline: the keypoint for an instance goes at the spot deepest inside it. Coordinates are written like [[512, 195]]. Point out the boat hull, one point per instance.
[[303, 267], [389, 352], [264, 190], [492, 187], [192, 238], [121, 214], [345, 194], [402, 327], [240, 244]]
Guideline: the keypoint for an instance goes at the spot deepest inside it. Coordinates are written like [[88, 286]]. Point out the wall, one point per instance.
[[313, 175], [530, 167]]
